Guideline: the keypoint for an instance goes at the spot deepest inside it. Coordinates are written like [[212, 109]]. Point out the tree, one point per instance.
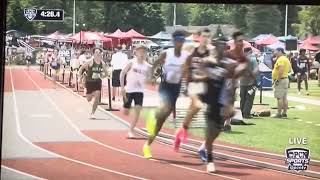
[[238, 11], [206, 14], [292, 18], [309, 19], [263, 19], [182, 14]]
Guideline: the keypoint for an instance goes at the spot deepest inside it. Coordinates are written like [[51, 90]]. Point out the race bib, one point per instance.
[[95, 76], [54, 63], [302, 65]]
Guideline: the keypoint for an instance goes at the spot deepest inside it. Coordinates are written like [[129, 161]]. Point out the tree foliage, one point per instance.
[[309, 19], [206, 14], [263, 19], [182, 13], [292, 18]]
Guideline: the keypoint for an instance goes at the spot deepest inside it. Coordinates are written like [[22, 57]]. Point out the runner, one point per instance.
[[96, 70], [303, 69], [47, 60], [55, 64], [81, 80], [28, 60], [137, 71], [173, 61], [75, 65], [195, 86]]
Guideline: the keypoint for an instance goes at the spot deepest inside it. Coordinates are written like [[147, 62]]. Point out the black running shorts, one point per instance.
[[92, 86], [137, 97]]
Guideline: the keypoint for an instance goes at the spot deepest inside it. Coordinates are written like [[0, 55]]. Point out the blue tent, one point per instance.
[[284, 38], [261, 36]]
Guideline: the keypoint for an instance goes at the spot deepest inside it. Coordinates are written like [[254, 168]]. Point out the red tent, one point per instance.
[[134, 34], [118, 34], [268, 41], [246, 45], [88, 36], [308, 46], [312, 40], [56, 36]]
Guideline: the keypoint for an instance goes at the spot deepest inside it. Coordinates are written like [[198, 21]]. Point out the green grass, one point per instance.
[[273, 134], [314, 90]]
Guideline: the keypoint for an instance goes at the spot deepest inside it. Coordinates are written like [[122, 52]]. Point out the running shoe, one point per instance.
[[277, 116], [203, 155], [131, 135], [211, 168], [92, 116], [284, 115], [181, 136], [147, 151], [151, 123], [307, 93]]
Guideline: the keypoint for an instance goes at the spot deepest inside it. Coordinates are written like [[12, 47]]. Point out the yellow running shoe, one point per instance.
[[151, 123], [147, 151]]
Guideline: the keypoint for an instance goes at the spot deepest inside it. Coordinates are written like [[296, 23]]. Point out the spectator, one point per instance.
[[280, 73], [118, 62], [248, 85], [317, 65]]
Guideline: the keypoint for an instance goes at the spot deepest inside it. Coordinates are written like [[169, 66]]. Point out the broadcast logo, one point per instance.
[[297, 159]]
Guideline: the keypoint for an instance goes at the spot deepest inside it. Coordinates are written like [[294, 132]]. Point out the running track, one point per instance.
[[57, 141]]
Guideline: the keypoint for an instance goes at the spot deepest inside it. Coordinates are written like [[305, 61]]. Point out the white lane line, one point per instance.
[[17, 118], [299, 120], [126, 123], [110, 147], [309, 122], [23, 173], [317, 124], [41, 115]]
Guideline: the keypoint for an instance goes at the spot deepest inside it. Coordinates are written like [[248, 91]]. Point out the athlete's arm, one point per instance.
[[84, 66], [186, 68], [159, 61], [105, 70], [122, 74]]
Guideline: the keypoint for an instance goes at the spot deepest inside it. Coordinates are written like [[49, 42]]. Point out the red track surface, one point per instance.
[[171, 165]]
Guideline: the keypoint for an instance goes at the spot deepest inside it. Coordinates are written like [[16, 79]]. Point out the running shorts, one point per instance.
[[169, 92], [137, 97], [92, 86]]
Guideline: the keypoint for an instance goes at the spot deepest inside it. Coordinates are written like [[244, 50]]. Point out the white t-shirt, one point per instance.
[[173, 66], [137, 76], [119, 60]]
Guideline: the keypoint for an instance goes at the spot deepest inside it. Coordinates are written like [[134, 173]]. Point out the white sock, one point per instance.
[[202, 147]]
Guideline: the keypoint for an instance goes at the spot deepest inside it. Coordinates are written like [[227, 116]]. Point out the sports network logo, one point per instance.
[[30, 14], [297, 159]]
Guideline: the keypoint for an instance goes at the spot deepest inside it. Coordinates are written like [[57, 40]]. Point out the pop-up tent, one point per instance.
[[267, 41], [312, 40], [161, 36], [134, 34], [277, 45], [89, 37], [308, 46]]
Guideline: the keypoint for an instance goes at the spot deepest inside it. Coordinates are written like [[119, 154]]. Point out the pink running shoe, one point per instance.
[[181, 136]]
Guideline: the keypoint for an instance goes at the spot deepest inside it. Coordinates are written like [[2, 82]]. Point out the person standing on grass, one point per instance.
[[118, 62], [96, 70], [248, 85], [173, 63], [137, 72], [280, 79], [317, 62], [303, 69], [195, 84]]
